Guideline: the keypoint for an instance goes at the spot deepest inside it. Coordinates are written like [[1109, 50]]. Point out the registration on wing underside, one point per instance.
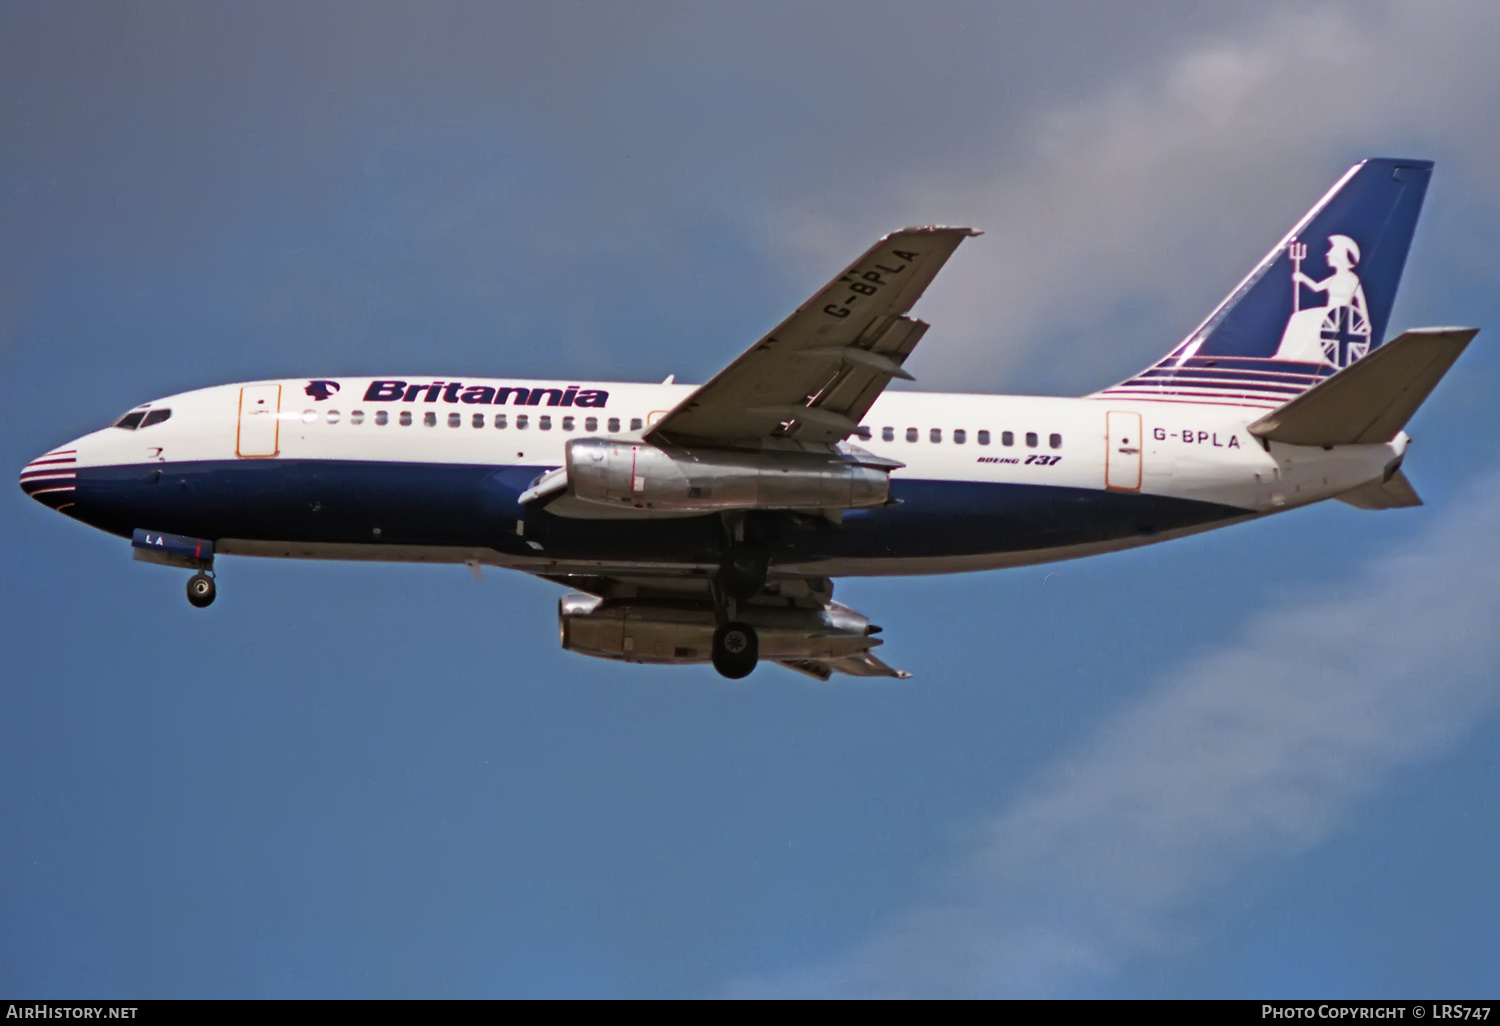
[[817, 373]]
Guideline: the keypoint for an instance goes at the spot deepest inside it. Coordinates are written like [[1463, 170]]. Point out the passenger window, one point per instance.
[[521, 421], [635, 423], [863, 433], [309, 416], [1007, 438], [478, 420], [382, 418], [333, 417], [544, 422], [935, 435], [984, 438], [960, 436], [500, 420], [591, 424], [131, 420], [567, 423], [429, 419], [888, 434], [1031, 439], [357, 416], [1055, 441], [157, 416], [911, 434], [406, 418], [614, 424], [455, 419]]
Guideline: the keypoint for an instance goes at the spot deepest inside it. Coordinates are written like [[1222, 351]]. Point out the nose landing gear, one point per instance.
[[201, 590], [182, 552]]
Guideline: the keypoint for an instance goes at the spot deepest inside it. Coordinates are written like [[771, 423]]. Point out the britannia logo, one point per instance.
[[321, 390], [1338, 332]]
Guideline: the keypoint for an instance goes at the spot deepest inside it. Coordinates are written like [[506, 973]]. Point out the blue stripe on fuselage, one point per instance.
[[447, 504]]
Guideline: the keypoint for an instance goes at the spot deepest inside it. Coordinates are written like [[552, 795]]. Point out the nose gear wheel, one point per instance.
[[201, 590]]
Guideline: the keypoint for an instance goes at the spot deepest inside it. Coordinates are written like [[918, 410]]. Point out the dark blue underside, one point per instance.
[[467, 505]]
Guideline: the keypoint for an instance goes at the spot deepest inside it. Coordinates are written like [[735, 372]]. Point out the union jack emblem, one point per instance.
[[1345, 336]]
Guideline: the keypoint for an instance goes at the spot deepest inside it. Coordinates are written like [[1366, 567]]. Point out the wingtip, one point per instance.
[[1449, 329], [934, 229]]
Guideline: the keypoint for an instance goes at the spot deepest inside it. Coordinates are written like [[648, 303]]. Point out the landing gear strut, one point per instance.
[[201, 590], [742, 575], [739, 579], [736, 650]]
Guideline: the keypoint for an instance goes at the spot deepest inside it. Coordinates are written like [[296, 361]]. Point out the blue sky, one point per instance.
[[1259, 762]]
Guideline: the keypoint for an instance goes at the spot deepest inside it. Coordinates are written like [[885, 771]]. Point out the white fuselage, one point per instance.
[[1189, 451]]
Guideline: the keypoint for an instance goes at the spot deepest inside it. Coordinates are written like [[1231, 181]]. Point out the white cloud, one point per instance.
[[1160, 193], [1261, 749]]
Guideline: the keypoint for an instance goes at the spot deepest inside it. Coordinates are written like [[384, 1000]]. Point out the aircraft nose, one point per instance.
[[51, 479]]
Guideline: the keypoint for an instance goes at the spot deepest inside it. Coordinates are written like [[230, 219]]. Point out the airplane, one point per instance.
[[706, 524]]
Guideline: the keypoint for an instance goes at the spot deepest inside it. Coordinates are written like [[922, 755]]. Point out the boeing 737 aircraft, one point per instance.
[[707, 523]]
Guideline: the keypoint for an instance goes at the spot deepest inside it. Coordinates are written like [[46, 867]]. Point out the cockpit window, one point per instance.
[[131, 420], [155, 417]]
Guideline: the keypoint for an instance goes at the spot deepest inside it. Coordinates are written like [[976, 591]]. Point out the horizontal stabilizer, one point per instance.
[[1369, 401], [1395, 493]]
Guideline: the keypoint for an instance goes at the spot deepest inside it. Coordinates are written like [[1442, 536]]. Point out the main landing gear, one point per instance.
[[736, 650], [201, 590], [740, 578]]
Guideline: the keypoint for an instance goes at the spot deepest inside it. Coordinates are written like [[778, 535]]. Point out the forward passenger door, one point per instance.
[[259, 432]]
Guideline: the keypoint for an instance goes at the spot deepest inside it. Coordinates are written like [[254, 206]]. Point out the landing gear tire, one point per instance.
[[201, 590], [736, 650]]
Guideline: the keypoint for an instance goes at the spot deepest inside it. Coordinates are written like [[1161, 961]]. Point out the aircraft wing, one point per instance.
[[817, 373], [862, 664], [831, 646]]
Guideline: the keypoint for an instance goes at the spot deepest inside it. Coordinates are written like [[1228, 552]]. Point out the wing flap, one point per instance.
[[815, 375], [855, 391], [1369, 401]]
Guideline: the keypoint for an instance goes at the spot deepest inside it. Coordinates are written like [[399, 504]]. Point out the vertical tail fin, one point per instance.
[[1316, 303]]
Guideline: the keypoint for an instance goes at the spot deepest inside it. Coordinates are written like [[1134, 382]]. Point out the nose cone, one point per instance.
[[52, 479]]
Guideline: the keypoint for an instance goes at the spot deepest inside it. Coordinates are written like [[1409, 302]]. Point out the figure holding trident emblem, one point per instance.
[[1338, 333], [1298, 252]]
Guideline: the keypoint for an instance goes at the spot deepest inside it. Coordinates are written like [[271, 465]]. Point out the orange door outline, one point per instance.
[[1122, 458], [262, 401]]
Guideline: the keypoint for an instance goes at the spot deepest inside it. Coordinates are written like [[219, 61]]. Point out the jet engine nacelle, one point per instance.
[[644, 631], [640, 476]]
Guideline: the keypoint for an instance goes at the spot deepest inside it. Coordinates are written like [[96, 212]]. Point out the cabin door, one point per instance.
[[259, 432], [1122, 467]]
